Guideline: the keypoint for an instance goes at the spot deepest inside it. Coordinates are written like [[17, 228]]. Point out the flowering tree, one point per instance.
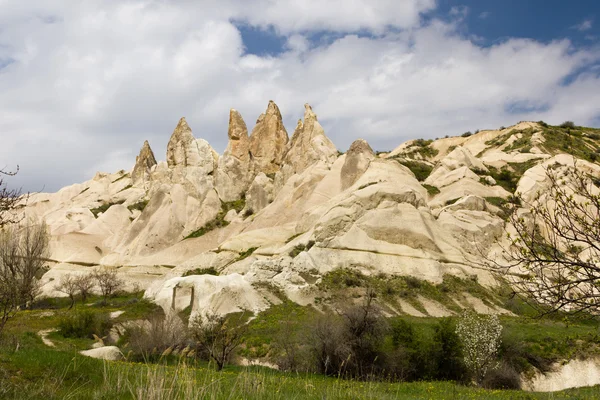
[[480, 337]]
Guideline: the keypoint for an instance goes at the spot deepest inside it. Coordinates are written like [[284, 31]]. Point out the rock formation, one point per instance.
[[232, 175], [143, 164], [268, 142], [286, 214], [309, 144], [358, 159], [184, 150]]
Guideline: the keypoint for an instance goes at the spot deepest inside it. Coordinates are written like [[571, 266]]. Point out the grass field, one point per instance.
[[31, 370]]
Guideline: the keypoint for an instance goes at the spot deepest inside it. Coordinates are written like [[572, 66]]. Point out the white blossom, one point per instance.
[[480, 336]]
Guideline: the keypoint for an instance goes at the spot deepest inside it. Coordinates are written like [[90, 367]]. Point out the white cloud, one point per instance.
[[90, 82], [584, 25], [485, 14]]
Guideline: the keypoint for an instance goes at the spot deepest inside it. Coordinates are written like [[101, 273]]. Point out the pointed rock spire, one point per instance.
[[309, 143], [232, 175], [358, 159], [238, 136], [143, 163], [184, 150], [268, 141]]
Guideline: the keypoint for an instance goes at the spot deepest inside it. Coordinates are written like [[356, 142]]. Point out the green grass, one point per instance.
[[421, 170], [37, 373], [267, 325], [245, 254], [104, 207], [432, 190], [578, 141], [32, 370], [343, 282], [523, 143], [219, 221], [300, 248], [140, 205], [508, 177]]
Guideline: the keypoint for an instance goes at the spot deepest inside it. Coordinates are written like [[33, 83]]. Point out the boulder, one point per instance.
[[109, 353], [268, 142]]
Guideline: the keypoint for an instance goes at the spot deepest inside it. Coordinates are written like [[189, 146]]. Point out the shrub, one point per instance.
[[108, 282], [567, 124], [419, 169], [218, 336], [503, 377], [447, 351], [201, 271], [140, 205], [432, 190], [84, 324], [467, 134], [480, 337], [151, 338]]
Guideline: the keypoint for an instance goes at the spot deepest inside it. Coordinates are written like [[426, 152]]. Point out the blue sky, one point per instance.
[[82, 86], [492, 21]]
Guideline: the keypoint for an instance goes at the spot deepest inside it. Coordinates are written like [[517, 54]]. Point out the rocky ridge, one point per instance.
[[276, 215]]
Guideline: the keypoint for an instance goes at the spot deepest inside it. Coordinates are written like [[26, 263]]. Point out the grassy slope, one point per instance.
[[36, 371]]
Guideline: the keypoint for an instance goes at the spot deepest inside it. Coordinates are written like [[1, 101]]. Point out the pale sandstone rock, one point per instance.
[[222, 295], [268, 142], [309, 144], [183, 150], [232, 176], [109, 353], [143, 164], [260, 193], [358, 159]]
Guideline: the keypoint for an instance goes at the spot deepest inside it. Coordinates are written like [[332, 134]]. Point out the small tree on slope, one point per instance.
[[480, 337]]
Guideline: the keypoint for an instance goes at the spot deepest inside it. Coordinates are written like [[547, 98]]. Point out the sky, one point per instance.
[[83, 84]]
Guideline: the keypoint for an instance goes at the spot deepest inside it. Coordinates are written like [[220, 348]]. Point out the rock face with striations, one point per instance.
[[268, 142], [309, 144], [143, 164], [232, 175]]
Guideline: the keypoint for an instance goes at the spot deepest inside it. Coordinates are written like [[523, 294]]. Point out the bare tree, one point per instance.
[[68, 286], [9, 199], [554, 252], [23, 251], [84, 284], [107, 281], [218, 335]]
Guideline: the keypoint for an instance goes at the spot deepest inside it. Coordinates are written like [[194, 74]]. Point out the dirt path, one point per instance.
[[44, 335]]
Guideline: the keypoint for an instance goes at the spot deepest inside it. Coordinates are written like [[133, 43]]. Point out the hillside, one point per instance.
[[278, 217]]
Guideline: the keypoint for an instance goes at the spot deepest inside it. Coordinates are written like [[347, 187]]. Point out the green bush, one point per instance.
[[420, 169], [84, 324], [567, 124]]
